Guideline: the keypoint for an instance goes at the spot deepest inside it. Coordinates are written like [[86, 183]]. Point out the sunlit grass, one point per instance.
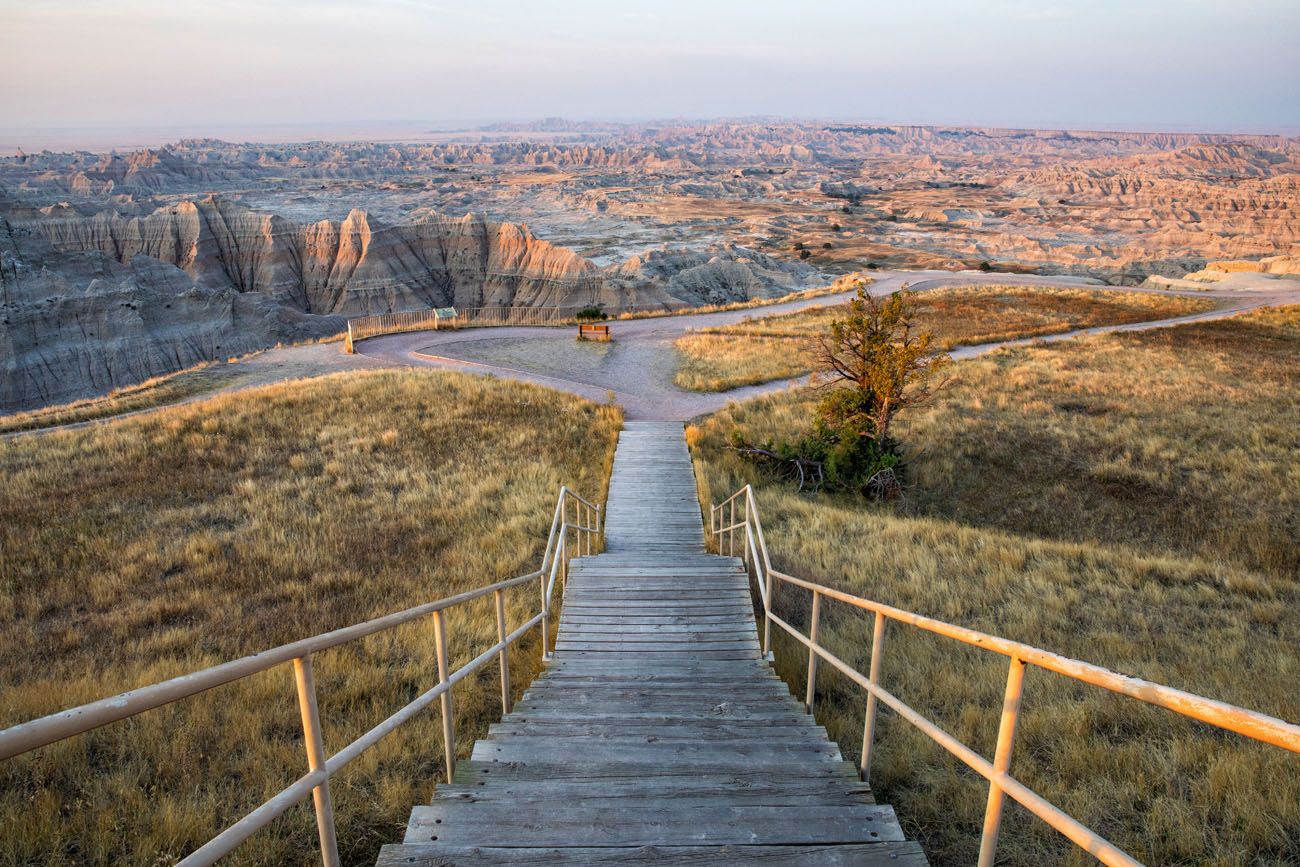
[[1132, 500], [158, 391], [782, 347], [841, 285], [144, 548]]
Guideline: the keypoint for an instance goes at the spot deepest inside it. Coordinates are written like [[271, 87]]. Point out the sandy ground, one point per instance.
[[637, 368]]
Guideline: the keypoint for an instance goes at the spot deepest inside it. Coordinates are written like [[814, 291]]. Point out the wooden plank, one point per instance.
[[672, 631], [770, 791], [475, 773], [702, 730], [740, 752], [854, 855], [529, 824]]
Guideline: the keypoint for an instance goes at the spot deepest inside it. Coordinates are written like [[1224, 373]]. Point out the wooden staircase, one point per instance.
[[657, 734]]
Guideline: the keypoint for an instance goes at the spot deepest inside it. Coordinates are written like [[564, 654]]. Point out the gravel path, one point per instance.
[[638, 366]]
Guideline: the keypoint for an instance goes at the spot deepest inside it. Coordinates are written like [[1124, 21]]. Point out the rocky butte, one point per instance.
[[89, 302]]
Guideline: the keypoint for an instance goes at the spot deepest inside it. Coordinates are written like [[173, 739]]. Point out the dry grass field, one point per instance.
[[144, 548], [1132, 500], [802, 294], [151, 393], [780, 347]]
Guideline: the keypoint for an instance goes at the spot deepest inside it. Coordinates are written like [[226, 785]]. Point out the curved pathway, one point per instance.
[[638, 367]]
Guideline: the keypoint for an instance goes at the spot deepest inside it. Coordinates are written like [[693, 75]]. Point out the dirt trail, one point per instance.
[[638, 366]]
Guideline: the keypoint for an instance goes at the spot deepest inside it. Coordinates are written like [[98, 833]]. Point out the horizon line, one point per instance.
[[58, 138]]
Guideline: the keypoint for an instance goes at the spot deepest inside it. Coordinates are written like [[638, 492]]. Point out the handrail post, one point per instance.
[[1002, 760], [869, 726], [310, 712], [448, 728], [731, 528], [767, 613], [546, 615], [504, 655], [812, 653], [744, 549], [564, 563]]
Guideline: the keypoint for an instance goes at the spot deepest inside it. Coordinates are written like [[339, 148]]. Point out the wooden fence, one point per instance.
[[361, 327], [737, 530], [576, 530]]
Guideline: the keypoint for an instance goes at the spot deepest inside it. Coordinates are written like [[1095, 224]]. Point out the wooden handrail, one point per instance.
[[37, 733], [1248, 723]]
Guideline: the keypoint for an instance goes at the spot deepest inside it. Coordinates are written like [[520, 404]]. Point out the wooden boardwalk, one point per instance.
[[657, 734]]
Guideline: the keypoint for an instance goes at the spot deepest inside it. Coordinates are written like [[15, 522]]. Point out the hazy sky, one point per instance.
[[1178, 64]]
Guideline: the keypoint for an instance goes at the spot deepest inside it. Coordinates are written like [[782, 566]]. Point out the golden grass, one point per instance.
[[158, 391], [1132, 500], [152, 546], [781, 347], [841, 285]]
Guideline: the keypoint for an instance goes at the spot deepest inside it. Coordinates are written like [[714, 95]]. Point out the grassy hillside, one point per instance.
[[152, 546], [781, 347], [172, 388], [1132, 500]]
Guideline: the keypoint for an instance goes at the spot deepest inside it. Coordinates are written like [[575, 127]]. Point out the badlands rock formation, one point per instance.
[[95, 301], [727, 210]]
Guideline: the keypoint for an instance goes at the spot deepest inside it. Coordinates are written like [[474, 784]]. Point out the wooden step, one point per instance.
[[781, 791], [870, 855], [657, 822]]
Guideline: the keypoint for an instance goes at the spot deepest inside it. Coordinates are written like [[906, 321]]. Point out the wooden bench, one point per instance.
[[592, 331]]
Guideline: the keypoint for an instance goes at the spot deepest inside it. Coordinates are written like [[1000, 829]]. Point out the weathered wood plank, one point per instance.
[[530, 824], [770, 791], [856, 855]]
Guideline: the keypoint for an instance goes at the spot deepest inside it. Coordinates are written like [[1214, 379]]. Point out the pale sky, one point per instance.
[[201, 66]]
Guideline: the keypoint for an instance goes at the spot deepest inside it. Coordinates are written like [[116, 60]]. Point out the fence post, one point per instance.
[[306, 682], [869, 726], [731, 529], [744, 540], [1002, 760], [812, 653], [564, 564], [591, 533], [767, 613], [448, 729], [504, 655], [347, 346], [546, 615]]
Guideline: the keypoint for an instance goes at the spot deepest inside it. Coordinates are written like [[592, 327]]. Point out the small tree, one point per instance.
[[875, 349], [878, 366]]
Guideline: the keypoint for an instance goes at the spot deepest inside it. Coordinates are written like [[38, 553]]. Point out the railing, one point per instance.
[[585, 529], [738, 515], [361, 327], [518, 315]]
